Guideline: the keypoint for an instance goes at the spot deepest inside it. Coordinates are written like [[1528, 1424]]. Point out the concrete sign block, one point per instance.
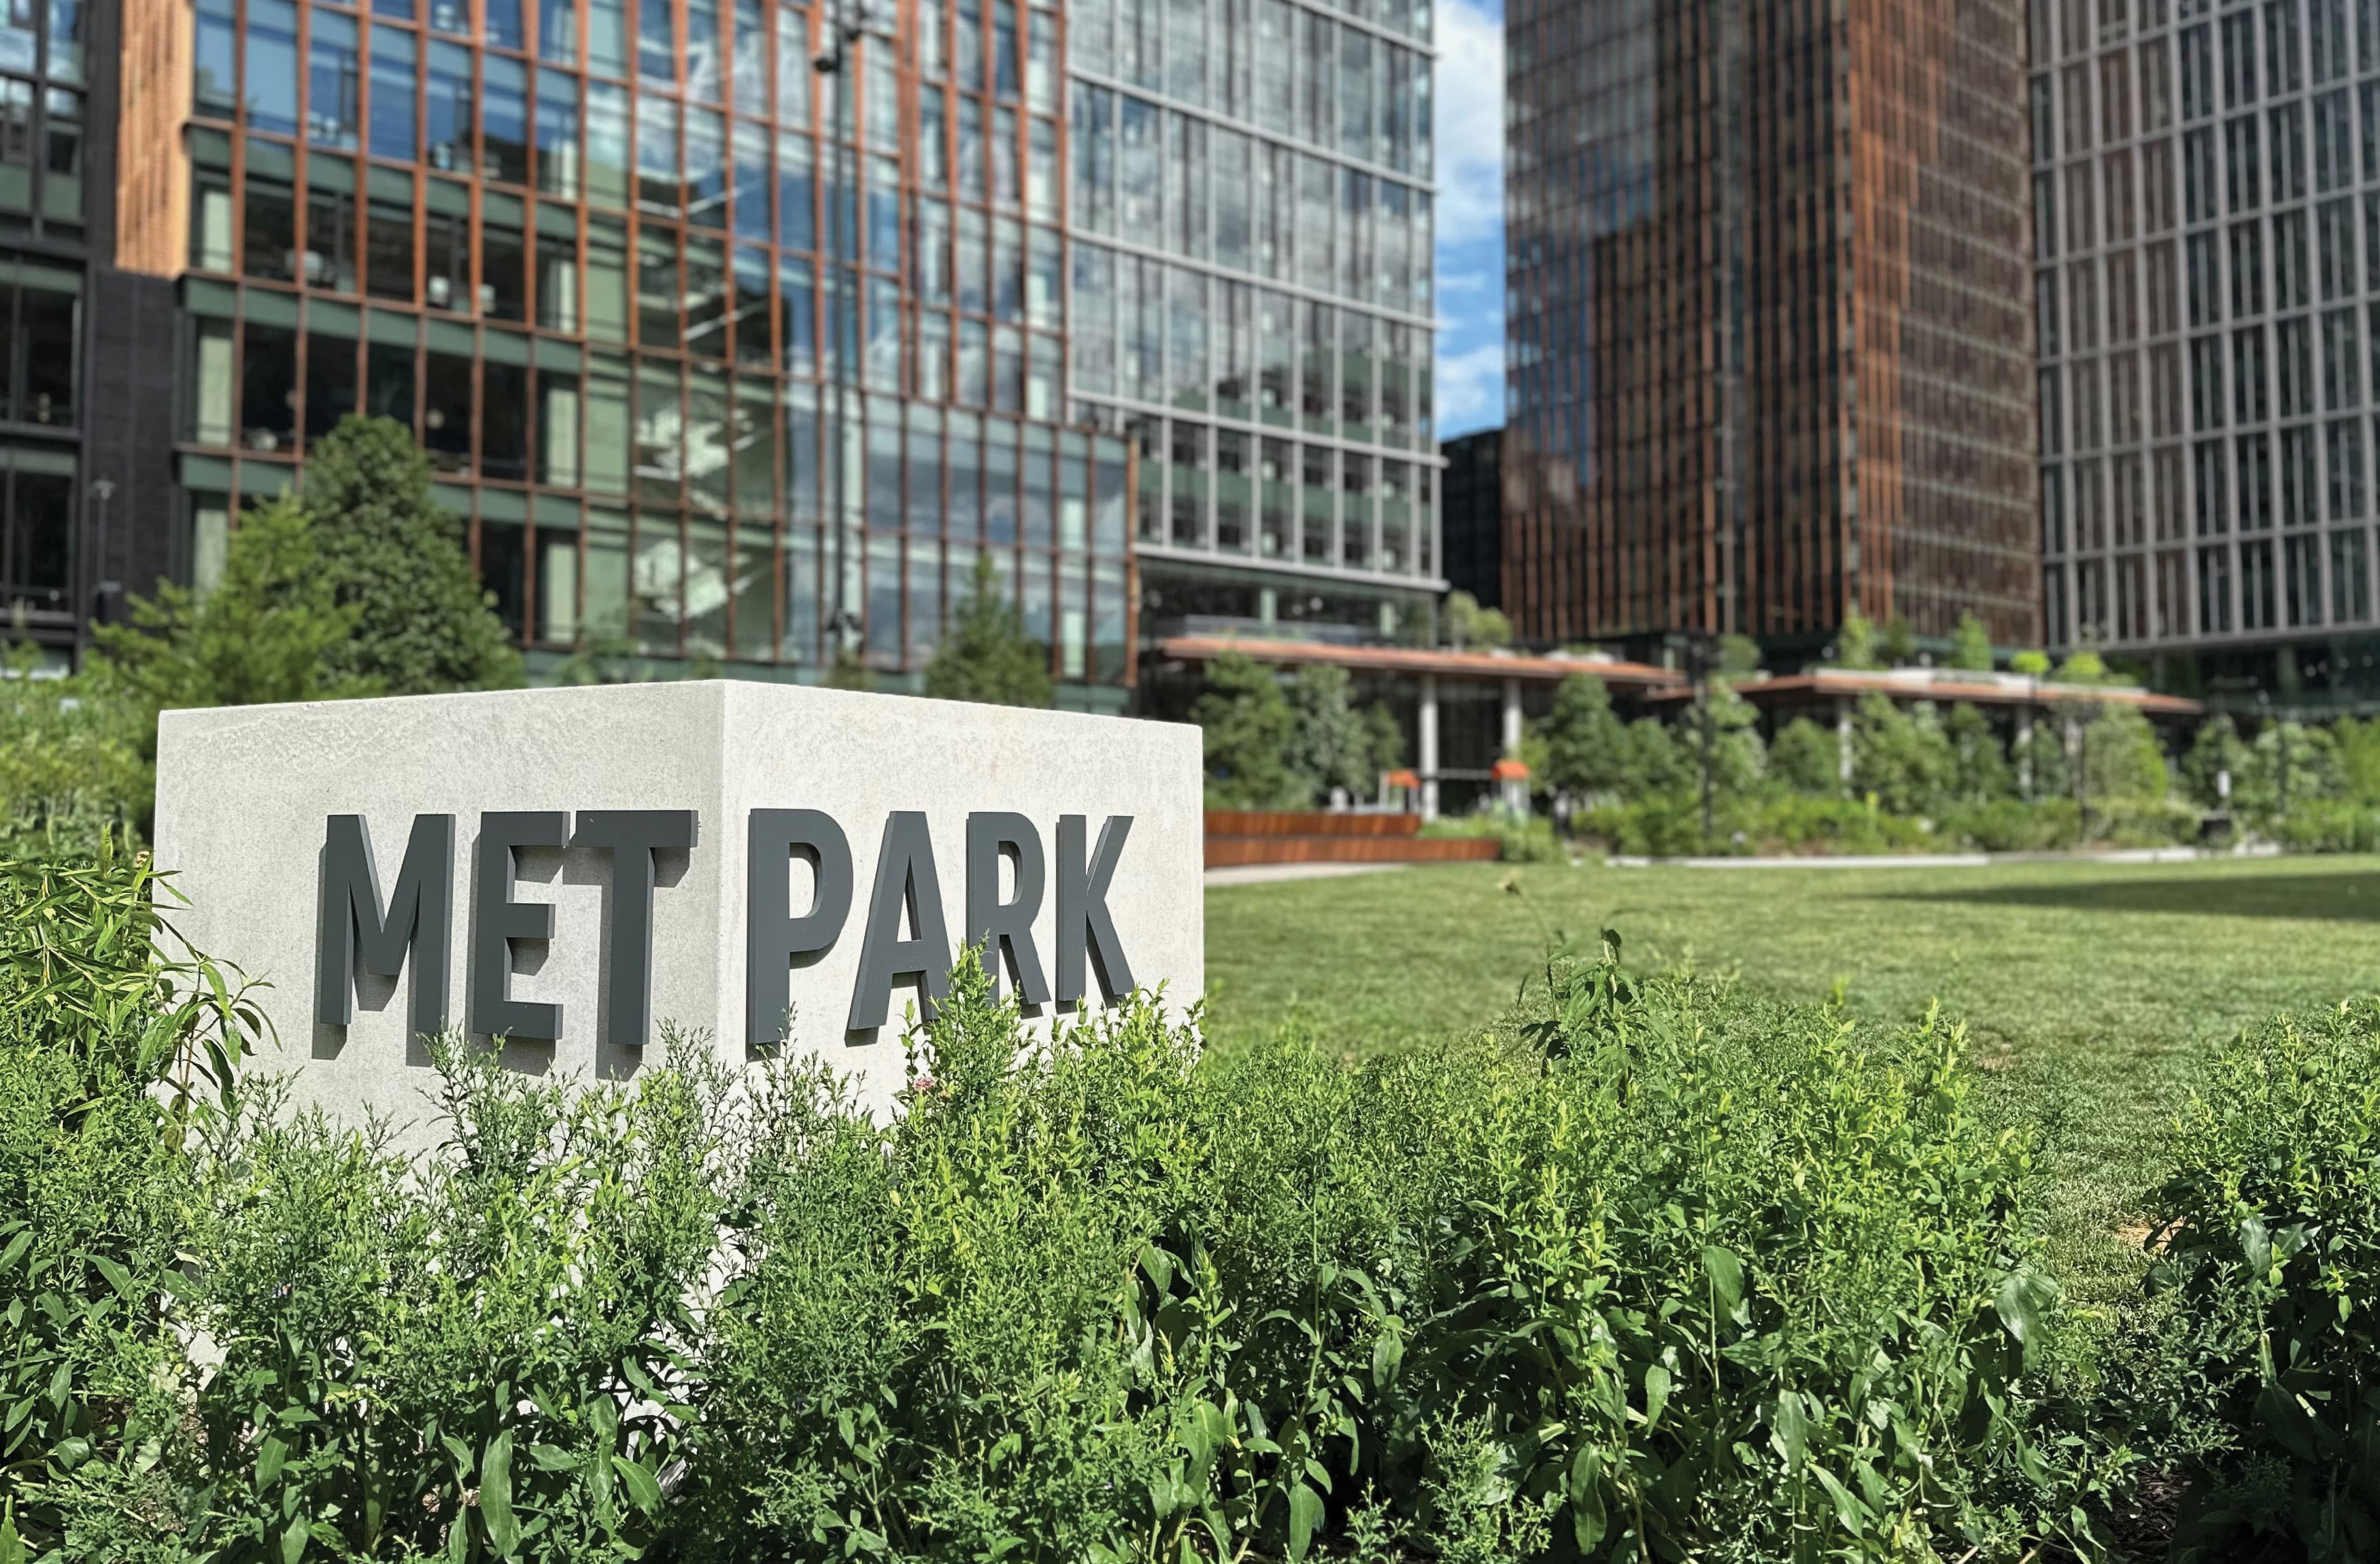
[[771, 865]]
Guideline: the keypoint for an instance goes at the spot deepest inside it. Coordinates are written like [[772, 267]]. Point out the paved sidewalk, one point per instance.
[[1262, 874], [1956, 860]]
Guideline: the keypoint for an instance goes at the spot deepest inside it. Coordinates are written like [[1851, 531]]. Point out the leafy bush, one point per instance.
[[1648, 1270], [2265, 1374], [1802, 824], [70, 766], [1528, 840], [2145, 822], [111, 1056], [2327, 825], [2006, 825], [1651, 1270]]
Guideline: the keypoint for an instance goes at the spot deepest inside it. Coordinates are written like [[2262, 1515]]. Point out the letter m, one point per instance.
[[359, 930]]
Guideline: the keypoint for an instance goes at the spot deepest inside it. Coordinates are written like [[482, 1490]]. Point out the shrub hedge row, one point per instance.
[[1651, 1270]]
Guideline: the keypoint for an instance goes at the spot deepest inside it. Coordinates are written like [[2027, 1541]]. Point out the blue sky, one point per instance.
[[1470, 216]]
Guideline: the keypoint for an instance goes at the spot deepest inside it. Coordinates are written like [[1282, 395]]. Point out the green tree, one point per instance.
[[1738, 760], [1971, 647], [1654, 763], [2215, 752], [271, 630], [2359, 756], [1899, 643], [388, 549], [1249, 726], [1333, 743], [2083, 666], [988, 656], [2315, 770], [1902, 757], [1739, 657], [1586, 744], [2032, 664], [1855, 643], [1470, 625], [2123, 758], [2042, 753], [1979, 768], [1807, 758]]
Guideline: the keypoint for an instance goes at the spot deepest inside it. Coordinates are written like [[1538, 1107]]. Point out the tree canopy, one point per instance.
[[986, 656], [1971, 647], [386, 548]]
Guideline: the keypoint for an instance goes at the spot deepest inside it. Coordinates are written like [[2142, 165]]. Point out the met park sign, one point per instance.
[[772, 868]]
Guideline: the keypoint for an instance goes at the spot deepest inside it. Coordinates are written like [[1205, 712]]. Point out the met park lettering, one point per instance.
[[411, 929]]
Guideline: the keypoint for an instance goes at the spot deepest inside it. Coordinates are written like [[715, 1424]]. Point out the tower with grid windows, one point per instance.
[[721, 354]]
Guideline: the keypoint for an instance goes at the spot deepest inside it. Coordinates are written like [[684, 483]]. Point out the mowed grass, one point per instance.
[[2091, 992]]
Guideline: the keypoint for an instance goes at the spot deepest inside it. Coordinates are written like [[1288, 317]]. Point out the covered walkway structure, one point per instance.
[[1431, 670]]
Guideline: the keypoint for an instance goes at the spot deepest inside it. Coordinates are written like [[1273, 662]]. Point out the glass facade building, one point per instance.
[[2206, 198], [1767, 357], [612, 263], [1251, 298], [49, 206]]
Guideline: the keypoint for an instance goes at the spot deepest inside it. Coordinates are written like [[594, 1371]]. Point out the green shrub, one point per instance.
[[2145, 822], [1650, 1270], [2007, 825], [2265, 1376], [112, 1055], [1848, 825], [2327, 825], [1526, 841]]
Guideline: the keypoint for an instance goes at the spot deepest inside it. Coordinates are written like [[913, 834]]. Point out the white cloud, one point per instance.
[[1470, 122], [1461, 282], [1471, 389]]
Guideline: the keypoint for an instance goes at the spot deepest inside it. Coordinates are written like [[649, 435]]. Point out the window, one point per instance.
[[2299, 507], [2351, 576], [2284, 133], [332, 95], [2241, 164], [393, 55], [557, 133], [2343, 442], [273, 67]]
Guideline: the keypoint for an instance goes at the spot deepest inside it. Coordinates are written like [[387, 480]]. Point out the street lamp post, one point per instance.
[[95, 609], [846, 22]]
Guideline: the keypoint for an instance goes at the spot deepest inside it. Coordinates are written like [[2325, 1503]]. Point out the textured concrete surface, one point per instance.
[[244, 795]]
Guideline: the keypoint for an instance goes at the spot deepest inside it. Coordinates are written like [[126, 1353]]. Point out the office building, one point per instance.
[[1251, 303], [2207, 283], [56, 82], [708, 380], [1768, 358]]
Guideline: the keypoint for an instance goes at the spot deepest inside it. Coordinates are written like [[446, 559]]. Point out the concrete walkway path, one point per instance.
[[1263, 874]]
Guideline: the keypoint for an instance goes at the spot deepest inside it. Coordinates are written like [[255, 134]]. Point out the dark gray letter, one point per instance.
[[904, 880], [1083, 919], [420, 925], [631, 835], [772, 935], [992, 923], [499, 920]]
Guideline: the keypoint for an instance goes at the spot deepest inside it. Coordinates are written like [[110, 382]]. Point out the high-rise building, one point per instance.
[[2203, 179], [56, 78], [1251, 302], [1766, 270], [721, 352]]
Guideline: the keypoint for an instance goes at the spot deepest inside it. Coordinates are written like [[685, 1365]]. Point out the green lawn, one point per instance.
[[2090, 991]]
